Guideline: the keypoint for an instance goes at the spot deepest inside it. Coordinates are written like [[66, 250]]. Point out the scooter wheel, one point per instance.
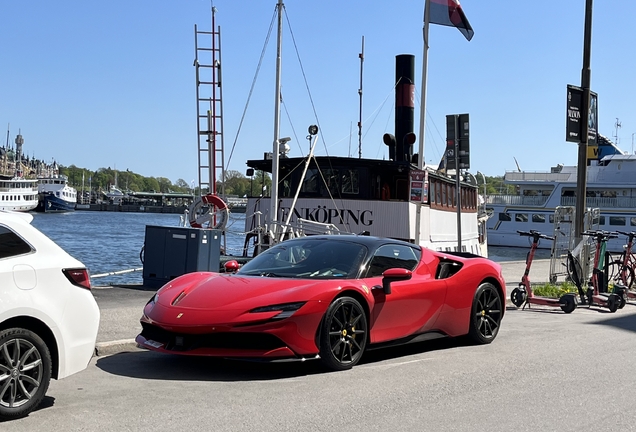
[[613, 302], [518, 297], [621, 292], [590, 296], [568, 303]]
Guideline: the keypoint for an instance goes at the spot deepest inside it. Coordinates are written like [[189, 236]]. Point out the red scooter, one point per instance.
[[523, 295], [597, 294]]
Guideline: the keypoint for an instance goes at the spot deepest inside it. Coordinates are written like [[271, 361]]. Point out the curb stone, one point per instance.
[[114, 347]]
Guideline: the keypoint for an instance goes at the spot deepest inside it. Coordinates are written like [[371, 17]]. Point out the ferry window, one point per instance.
[[521, 217], [393, 256], [632, 221], [350, 182], [11, 244], [617, 220], [504, 217], [539, 218], [601, 220], [551, 218], [331, 180], [286, 192], [444, 202], [310, 183]]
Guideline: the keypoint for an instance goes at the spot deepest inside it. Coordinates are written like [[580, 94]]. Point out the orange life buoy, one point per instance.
[[218, 210]]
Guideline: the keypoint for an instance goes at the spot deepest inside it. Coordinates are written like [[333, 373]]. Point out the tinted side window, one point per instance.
[[393, 256], [11, 244]]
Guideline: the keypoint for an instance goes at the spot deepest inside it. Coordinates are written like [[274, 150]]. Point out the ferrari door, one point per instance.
[[413, 305]]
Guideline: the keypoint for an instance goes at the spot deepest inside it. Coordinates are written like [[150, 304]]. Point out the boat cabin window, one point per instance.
[[504, 217], [551, 218], [601, 220], [331, 180], [538, 218], [521, 217], [632, 221], [310, 183], [326, 182], [350, 181], [617, 220]]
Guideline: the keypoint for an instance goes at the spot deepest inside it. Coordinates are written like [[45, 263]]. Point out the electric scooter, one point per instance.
[[523, 295], [597, 294]]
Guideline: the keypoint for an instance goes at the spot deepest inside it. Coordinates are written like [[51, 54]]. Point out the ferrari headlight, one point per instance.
[[151, 303], [154, 299], [286, 309]]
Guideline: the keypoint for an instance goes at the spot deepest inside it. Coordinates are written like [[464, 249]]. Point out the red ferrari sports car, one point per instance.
[[330, 297]]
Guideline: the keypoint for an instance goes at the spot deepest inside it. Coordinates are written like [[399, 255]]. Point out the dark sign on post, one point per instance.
[[457, 139], [574, 125]]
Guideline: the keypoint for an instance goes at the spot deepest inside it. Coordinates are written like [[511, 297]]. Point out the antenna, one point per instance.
[[361, 55], [517, 163], [617, 125]]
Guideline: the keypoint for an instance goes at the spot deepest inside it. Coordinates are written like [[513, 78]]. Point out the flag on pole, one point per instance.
[[450, 13]]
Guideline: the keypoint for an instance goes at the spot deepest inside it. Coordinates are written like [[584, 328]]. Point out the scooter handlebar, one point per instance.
[[535, 234], [601, 235]]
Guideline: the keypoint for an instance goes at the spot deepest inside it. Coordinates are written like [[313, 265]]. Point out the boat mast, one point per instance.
[[360, 93], [420, 159], [276, 145], [420, 156]]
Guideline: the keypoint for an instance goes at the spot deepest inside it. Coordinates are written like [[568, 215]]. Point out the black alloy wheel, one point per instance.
[[25, 372], [343, 334], [486, 314]]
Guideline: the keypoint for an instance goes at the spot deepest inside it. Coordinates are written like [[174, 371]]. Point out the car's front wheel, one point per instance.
[[343, 335], [486, 314], [25, 372]]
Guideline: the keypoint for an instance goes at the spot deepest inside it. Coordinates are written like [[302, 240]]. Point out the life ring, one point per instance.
[[217, 210]]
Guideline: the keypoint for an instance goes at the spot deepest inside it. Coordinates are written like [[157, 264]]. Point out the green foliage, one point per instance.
[[554, 290], [235, 182], [495, 186]]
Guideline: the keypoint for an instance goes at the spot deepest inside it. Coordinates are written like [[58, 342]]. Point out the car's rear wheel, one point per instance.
[[25, 372], [486, 314], [343, 335]]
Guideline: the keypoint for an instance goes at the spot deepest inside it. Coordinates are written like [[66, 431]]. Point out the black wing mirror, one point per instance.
[[393, 275]]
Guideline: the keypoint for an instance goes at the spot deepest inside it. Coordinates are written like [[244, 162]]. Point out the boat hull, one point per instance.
[[49, 203]]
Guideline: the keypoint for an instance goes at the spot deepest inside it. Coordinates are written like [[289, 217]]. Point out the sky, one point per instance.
[[112, 84]]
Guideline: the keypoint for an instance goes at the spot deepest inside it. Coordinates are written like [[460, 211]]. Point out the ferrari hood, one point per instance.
[[214, 291]]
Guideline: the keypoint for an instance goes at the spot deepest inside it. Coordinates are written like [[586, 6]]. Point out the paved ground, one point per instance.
[[546, 371], [121, 307]]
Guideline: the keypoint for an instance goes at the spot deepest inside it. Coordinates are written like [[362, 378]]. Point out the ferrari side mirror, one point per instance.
[[394, 275], [231, 266]]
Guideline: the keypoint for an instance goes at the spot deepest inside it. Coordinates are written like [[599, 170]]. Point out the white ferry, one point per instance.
[[18, 194], [55, 195], [611, 187]]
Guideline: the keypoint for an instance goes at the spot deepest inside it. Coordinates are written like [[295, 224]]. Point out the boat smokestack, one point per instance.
[[404, 106]]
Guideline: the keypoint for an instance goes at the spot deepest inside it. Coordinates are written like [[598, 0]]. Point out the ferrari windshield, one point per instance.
[[308, 258]]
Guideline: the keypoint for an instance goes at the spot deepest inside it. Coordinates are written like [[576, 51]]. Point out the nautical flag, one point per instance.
[[450, 13]]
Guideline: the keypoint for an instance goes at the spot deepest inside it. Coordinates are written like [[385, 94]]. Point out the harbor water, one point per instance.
[[109, 242]]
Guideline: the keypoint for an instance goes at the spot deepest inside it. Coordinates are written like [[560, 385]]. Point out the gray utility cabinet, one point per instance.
[[170, 252]]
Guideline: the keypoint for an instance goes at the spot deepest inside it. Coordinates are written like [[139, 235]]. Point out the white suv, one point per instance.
[[48, 315]]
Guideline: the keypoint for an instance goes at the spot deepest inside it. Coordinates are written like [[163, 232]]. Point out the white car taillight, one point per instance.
[[78, 277]]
